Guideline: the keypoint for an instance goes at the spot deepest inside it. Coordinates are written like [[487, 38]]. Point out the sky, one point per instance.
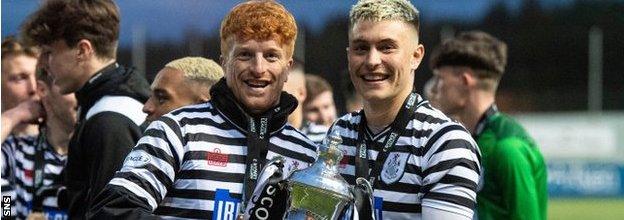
[[170, 19]]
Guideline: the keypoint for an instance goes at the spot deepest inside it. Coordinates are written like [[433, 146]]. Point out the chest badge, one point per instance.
[[394, 167]]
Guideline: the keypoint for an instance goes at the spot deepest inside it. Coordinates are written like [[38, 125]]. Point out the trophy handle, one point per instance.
[[363, 199]]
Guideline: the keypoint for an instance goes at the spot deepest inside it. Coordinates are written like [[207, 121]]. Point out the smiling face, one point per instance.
[[382, 58], [255, 71], [170, 90]]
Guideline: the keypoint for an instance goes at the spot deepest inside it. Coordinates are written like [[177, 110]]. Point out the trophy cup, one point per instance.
[[319, 192]]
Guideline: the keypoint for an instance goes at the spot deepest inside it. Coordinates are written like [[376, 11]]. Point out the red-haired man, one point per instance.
[[202, 161]]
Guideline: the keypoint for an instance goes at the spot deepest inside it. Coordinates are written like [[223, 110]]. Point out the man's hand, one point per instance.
[[36, 216], [30, 111], [26, 112]]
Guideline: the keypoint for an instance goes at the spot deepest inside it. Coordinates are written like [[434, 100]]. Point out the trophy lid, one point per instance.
[[323, 174]]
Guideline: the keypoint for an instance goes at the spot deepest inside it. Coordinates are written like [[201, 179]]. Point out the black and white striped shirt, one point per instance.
[[434, 164], [18, 154], [191, 163], [315, 132]]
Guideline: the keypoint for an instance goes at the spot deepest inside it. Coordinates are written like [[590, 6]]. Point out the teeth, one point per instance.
[[374, 77], [257, 83]]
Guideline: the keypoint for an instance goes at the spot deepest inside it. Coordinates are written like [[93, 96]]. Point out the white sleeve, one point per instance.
[[429, 213]]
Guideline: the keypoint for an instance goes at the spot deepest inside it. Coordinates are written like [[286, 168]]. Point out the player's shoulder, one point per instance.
[[504, 126], [349, 120], [429, 118], [193, 110]]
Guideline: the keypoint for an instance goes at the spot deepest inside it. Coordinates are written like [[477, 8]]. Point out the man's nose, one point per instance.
[[148, 108], [259, 65], [373, 59]]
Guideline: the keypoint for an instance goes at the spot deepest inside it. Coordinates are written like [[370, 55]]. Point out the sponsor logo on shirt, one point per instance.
[[225, 207], [378, 206], [216, 158], [137, 158], [393, 168]]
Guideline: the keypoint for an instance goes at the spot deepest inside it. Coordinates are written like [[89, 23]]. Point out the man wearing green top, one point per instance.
[[468, 69]]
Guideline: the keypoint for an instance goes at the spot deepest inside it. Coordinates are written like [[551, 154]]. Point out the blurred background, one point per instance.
[[564, 81]]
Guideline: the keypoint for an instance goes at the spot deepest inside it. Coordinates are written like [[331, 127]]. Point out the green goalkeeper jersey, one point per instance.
[[514, 170]]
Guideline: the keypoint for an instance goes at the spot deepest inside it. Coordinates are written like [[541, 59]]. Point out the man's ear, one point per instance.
[[417, 56], [289, 67], [86, 50], [468, 77]]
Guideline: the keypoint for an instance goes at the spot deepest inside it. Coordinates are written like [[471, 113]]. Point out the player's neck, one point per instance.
[[477, 106], [381, 113], [296, 117], [94, 66]]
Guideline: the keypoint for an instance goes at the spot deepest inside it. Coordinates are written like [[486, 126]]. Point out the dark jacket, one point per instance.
[[108, 127]]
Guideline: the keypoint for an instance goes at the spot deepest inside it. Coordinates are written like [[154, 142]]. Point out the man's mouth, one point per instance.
[[256, 83], [374, 77]]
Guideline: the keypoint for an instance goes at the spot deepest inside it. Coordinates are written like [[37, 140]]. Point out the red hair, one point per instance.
[[259, 20]]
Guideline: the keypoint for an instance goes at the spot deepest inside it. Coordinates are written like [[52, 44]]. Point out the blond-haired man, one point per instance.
[[181, 82], [422, 164]]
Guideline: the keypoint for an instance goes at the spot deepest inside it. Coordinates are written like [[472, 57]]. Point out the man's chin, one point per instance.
[[257, 106]]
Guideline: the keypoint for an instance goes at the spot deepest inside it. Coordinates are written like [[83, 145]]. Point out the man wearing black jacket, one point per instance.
[[79, 41]]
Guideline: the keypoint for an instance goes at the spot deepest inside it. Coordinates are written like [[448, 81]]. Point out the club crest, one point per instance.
[[393, 167]]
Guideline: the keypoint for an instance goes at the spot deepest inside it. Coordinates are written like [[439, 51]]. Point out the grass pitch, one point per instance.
[[586, 208]]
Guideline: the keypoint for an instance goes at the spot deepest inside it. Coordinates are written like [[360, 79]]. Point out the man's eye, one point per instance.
[[19, 77], [272, 57], [387, 48], [244, 55], [161, 99], [360, 49]]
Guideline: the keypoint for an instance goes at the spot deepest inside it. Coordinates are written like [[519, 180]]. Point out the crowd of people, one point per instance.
[[84, 137]]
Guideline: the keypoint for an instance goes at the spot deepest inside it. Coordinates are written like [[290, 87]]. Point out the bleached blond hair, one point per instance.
[[198, 69], [383, 10]]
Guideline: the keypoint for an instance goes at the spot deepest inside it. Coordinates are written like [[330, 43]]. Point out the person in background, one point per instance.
[[20, 107], [468, 69], [203, 161], [26, 159], [79, 41], [181, 82], [319, 108], [430, 92], [421, 164], [296, 86], [19, 63]]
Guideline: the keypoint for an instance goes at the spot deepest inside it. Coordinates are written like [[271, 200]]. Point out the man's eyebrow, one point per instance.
[[160, 91], [388, 40], [358, 40]]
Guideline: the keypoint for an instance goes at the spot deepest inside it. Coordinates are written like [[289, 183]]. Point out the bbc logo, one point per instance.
[[6, 206]]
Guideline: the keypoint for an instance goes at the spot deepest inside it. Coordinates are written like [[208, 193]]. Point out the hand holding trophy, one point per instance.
[[317, 192]]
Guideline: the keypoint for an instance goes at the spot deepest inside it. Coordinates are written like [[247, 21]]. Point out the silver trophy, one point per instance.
[[319, 192]]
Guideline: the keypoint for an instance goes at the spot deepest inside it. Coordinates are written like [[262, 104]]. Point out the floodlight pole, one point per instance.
[[594, 82]]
